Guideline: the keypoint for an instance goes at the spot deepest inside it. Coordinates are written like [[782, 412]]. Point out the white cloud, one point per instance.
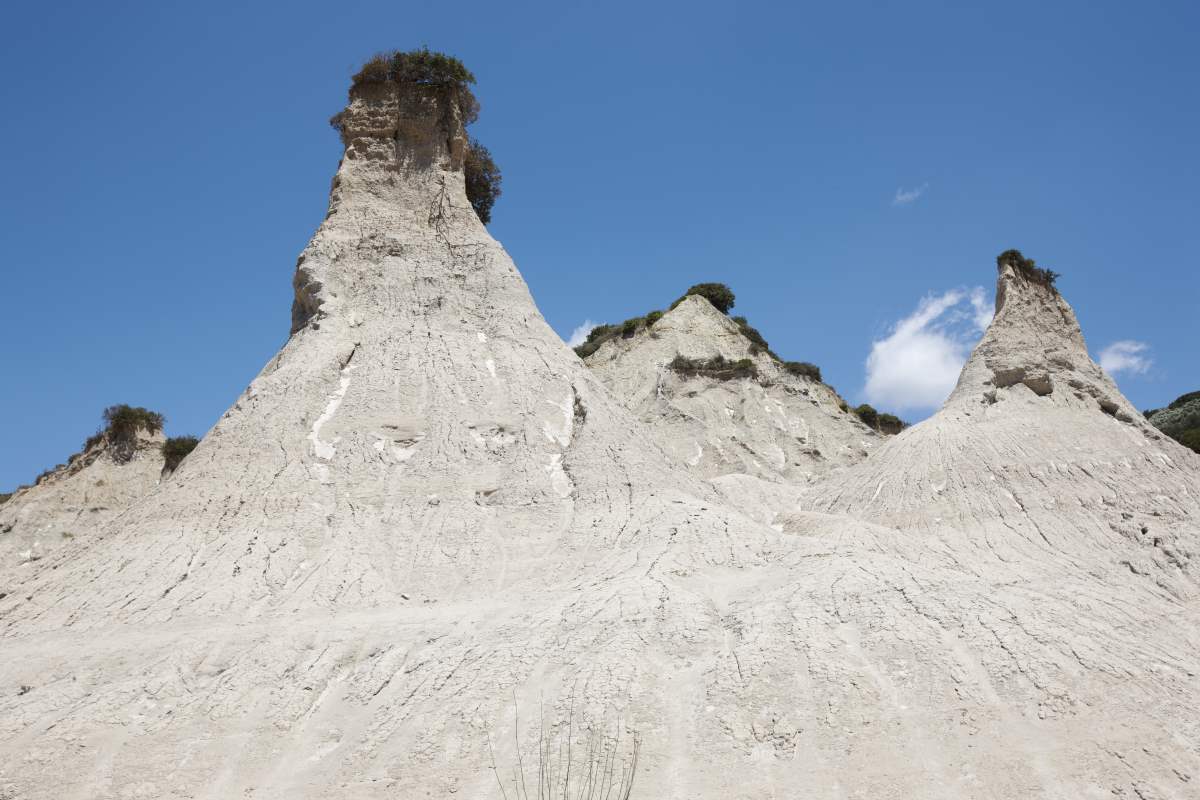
[[579, 335], [907, 196], [917, 364], [1125, 356]]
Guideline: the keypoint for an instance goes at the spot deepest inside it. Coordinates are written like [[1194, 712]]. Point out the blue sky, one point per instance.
[[843, 166]]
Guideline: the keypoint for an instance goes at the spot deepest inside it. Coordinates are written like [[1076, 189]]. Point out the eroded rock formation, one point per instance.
[[774, 425], [68, 504], [427, 534]]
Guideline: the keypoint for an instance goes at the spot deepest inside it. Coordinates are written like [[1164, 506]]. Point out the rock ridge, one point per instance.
[[774, 425], [1035, 343]]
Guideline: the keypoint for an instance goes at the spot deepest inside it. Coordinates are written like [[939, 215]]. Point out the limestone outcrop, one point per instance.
[[427, 540], [69, 503], [773, 425]]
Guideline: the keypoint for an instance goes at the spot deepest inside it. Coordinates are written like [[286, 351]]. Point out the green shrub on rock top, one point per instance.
[[720, 295], [1028, 268], [124, 421], [422, 68], [450, 80]]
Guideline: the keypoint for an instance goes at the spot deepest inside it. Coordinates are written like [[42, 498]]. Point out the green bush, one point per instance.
[[1190, 438], [803, 369], [482, 179], [717, 367], [422, 68], [176, 448], [883, 423], [4, 497], [757, 343], [596, 337], [1028, 268], [602, 333], [868, 415], [720, 295], [124, 421]]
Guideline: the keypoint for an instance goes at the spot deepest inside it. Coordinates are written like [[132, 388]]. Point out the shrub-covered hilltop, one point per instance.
[[447, 79], [1180, 420], [118, 437], [722, 298]]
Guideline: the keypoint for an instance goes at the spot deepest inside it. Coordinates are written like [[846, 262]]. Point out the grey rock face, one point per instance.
[[73, 502], [427, 538], [775, 426]]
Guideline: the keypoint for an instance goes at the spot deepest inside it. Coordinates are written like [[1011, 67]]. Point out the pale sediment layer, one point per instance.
[[427, 532]]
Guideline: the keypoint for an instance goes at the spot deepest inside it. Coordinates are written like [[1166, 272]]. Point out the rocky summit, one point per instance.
[[430, 552]]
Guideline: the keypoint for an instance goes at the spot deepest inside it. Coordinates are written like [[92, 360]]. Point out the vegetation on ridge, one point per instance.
[[803, 369], [883, 423], [121, 424], [176, 448], [1180, 420], [450, 80], [1028, 269], [720, 295], [124, 421], [443, 73]]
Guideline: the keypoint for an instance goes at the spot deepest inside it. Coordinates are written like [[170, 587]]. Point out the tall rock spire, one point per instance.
[[422, 434], [1035, 450], [1034, 345]]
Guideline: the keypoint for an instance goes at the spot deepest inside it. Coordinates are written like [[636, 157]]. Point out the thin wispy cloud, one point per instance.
[[905, 197], [916, 366], [1126, 355], [579, 335]]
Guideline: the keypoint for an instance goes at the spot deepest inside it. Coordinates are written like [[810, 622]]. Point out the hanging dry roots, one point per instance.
[[584, 763]]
